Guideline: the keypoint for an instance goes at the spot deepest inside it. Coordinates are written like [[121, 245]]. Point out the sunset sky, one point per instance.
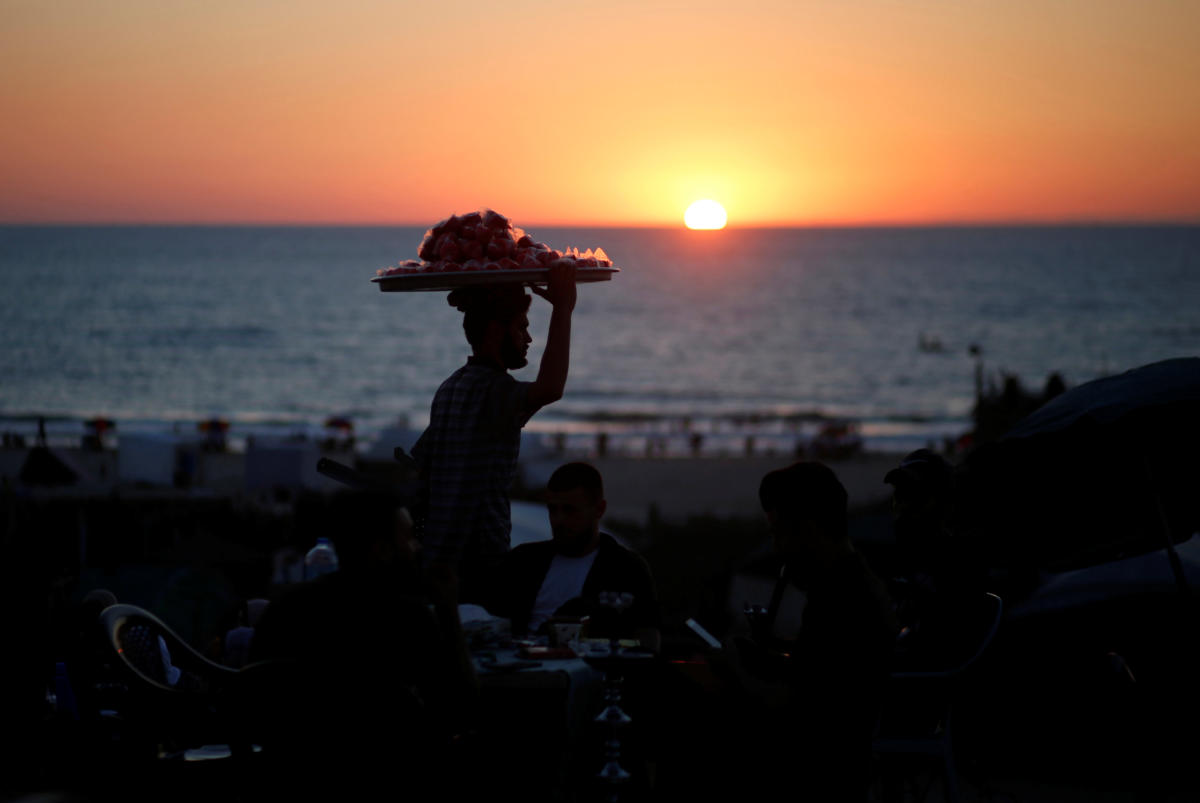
[[618, 112]]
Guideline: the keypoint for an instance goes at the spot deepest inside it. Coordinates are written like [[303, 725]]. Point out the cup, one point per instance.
[[565, 630]]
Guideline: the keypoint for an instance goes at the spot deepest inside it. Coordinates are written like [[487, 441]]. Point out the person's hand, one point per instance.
[[560, 291]]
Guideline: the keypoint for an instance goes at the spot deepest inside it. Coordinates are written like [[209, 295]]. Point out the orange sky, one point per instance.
[[557, 111]]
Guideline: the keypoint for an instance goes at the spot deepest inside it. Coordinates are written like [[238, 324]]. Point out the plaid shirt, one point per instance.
[[468, 457]]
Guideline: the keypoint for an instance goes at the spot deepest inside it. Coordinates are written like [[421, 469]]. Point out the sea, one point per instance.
[[751, 338]]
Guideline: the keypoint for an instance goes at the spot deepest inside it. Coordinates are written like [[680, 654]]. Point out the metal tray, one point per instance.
[[411, 282]]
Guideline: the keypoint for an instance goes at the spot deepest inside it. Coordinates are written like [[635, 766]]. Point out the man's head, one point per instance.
[[805, 505], [496, 322], [922, 487], [575, 502]]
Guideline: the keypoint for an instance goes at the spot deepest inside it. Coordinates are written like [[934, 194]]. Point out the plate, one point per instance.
[[510, 666], [409, 282], [547, 653]]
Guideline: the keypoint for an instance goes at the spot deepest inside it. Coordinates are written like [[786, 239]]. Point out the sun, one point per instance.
[[705, 215]]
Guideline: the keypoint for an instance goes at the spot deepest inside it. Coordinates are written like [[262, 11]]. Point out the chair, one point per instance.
[[174, 694], [919, 704]]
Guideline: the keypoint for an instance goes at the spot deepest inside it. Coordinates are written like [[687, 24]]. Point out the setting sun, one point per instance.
[[705, 215]]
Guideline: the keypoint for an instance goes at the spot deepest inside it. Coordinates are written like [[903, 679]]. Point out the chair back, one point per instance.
[[954, 640], [991, 612], [174, 695], [919, 708], [134, 633]]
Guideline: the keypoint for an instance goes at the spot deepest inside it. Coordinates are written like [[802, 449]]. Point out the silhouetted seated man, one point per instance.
[[569, 574], [938, 576], [922, 500], [376, 681], [817, 695]]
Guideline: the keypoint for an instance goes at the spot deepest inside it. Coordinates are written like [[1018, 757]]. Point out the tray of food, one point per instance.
[[483, 248]]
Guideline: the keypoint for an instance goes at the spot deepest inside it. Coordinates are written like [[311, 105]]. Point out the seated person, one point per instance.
[[370, 668], [922, 504], [939, 577], [580, 569], [238, 638], [823, 688]]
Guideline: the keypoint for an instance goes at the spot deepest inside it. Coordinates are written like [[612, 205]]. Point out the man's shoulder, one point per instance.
[[480, 371], [465, 374], [614, 551], [529, 555], [479, 381], [610, 543], [531, 549]]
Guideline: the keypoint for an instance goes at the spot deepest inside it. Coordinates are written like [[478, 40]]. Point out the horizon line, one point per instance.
[[935, 224]]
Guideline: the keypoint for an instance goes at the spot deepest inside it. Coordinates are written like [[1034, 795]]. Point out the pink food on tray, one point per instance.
[[486, 240]]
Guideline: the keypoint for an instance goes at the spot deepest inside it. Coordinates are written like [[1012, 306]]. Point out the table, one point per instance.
[[569, 684], [571, 673], [536, 723]]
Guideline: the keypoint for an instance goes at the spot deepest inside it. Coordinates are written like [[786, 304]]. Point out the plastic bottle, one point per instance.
[[321, 559]]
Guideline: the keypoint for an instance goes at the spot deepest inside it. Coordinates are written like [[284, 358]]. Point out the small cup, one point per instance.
[[566, 630]]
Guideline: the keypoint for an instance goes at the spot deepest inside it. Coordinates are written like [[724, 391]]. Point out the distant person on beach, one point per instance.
[[815, 698], [468, 455], [573, 573]]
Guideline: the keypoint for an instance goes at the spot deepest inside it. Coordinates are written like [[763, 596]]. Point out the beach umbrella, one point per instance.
[[1152, 391], [1106, 470]]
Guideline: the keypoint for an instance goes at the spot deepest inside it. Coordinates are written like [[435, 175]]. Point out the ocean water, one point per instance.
[[752, 331]]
